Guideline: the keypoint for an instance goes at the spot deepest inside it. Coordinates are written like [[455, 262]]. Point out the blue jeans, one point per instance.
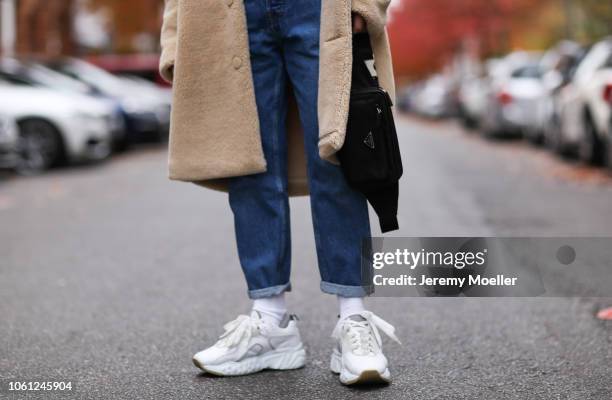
[[284, 47]]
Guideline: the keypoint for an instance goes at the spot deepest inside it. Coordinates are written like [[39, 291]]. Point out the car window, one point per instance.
[[14, 80], [530, 71]]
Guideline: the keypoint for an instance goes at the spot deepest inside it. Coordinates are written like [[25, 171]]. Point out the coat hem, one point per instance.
[[297, 187]]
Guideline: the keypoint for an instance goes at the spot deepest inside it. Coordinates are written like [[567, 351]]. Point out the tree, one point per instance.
[[596, 21], [425, 33]]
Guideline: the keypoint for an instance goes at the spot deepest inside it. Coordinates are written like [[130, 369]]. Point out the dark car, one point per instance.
[[146, 111]]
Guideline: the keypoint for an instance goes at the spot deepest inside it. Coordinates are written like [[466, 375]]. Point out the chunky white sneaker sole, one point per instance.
[[368, 376], [275, 359]]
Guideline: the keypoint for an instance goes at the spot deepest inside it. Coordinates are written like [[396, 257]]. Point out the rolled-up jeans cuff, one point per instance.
[[269, 291], [346, 291]]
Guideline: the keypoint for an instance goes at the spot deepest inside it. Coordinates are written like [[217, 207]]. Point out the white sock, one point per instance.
[[271, 309], [350, 306]]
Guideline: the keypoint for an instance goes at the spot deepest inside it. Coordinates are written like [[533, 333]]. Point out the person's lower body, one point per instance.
[[284, 47]]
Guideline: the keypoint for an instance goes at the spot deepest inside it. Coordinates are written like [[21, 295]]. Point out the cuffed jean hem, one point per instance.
[[269, 291], [346, 291]]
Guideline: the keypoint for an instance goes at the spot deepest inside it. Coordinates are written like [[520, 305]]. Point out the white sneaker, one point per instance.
[[358, 356], [251, 344]]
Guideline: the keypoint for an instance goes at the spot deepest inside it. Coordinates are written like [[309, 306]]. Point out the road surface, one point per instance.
[[111, 277]]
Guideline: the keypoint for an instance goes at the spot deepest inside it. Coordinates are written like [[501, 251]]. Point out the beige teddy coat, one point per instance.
[[214, 129]]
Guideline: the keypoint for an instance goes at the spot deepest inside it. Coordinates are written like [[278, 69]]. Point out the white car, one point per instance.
[[584, 105], [472, 98], [434, 100], [56, 125], [558, 67], [8, 141], [514, 91]]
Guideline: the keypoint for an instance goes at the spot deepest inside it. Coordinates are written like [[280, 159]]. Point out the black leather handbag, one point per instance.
[[370, 157]]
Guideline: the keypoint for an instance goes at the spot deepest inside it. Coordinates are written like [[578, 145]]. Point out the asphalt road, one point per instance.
[[111, 277]]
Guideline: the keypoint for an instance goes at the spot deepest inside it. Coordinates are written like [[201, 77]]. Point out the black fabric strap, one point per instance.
[[388, 223], [362, 51], [384, 202]]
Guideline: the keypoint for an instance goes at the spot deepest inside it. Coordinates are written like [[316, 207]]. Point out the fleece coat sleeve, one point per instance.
[[168, 40], [374, 12]]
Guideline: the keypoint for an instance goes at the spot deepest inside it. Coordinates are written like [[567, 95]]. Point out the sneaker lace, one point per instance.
[[239, 331], [363, 335]]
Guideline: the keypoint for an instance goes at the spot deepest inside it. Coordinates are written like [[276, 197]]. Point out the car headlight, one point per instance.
[[92, 121]]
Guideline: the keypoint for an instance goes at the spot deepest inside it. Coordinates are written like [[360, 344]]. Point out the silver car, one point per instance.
[[558, 66], [584, 105], [514, 91]]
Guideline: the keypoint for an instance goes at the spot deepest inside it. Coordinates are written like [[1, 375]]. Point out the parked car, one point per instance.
[[472, 100], [608, 155], [584, 107], [435, 98], [30, 73], [146, 113], [8, 141], [558, 65], [404, 99], [515, 86], [55, 126], [408, 97], [162, 94]]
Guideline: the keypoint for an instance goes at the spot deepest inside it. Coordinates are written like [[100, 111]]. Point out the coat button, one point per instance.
[[237, 62], [229, 2]]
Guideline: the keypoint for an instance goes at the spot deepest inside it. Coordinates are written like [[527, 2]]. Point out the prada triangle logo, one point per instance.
[[369, 140]]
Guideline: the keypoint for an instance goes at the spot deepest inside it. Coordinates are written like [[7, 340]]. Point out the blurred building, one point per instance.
[[44, 27], [68, 27], [41, 27], [133, 25]]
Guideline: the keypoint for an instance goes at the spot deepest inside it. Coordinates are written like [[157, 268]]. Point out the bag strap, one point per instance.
[[362, 52]]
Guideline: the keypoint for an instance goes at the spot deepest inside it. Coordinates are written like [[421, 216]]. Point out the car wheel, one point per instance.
[[469, 123], [608, 155], [554, 137], [551, 133], [591, 148], [163, 135], [39, 146], [119, 145], [534, 136], [608, 150]]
